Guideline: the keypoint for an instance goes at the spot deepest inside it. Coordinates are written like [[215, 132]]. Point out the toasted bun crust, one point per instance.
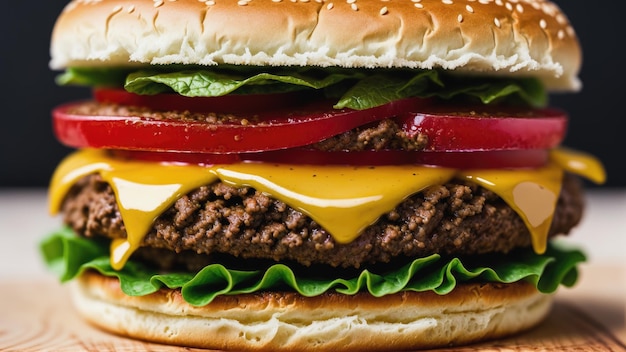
[[525, 37], [272, 321]]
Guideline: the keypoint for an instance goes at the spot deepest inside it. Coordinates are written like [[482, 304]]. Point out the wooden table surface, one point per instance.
[[36, 313]]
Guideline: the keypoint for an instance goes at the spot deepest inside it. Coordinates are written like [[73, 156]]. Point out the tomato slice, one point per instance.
[[263, 131], [230, 103], [480, 128], [458, 136], [448, 127], [175, 157], [499, 159]]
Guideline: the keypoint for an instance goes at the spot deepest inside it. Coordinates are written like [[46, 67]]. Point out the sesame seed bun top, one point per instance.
[[503, 37]]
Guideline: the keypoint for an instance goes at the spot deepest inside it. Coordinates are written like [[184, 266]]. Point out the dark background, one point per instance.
[[29, 151]]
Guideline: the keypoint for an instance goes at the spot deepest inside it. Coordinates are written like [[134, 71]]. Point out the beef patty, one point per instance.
[[455, 218]]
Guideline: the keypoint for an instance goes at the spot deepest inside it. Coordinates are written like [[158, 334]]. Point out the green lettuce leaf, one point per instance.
[[353, 88], [95, 77], [203, 83], [69, 255]]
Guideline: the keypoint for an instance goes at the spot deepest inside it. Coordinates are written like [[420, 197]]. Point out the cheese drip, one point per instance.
[[344, 200]]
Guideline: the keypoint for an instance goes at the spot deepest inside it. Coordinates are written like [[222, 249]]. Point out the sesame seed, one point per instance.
[[384, 10], [497, 22], [350, 1], [330, 5], [304, 0], [418, 5], [543, 24], [447, 2], [158, 3], [570, 31], [416, 0], [117, 8], [460, 18], [277, 0], [548, 10], [508, 6], [469, 9], [560, 34], [519, 8], [499, 2], [242, 3], [354, 7], [131, 9]]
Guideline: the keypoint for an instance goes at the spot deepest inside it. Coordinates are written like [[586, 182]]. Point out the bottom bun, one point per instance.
[[286, 321]]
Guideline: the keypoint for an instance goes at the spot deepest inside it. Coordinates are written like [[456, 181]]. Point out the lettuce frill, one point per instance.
[[69, 255], [353, 88]]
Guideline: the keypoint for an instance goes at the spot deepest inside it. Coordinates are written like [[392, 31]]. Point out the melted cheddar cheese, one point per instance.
[[342, 199]]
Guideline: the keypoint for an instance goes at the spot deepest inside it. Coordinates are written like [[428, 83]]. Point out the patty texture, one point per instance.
[[458, 218]]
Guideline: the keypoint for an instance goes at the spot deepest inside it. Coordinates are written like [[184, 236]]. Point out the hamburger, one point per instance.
[[316, 174]]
